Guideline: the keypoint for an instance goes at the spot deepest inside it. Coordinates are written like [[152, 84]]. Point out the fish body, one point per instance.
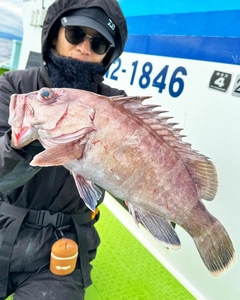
[[133, 152]]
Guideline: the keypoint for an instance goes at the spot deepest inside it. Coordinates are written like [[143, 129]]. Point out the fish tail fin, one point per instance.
[[216, 249]]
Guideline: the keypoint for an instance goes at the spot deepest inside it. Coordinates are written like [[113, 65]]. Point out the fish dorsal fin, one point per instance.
[[199, 166]]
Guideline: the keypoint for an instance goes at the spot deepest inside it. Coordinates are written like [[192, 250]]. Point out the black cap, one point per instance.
[[94, 18]]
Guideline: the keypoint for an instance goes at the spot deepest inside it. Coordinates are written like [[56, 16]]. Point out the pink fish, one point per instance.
[[133, 152]]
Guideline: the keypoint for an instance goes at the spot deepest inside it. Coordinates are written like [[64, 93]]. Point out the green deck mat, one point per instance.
[[125, 270]]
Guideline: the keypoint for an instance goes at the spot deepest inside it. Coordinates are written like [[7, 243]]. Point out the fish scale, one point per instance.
[[134, 152]]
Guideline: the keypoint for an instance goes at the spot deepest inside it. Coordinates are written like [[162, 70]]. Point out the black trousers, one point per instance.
[[43, 285], [30, 277]]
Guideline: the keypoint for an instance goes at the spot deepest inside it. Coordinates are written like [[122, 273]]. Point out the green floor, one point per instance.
[[125, 270]]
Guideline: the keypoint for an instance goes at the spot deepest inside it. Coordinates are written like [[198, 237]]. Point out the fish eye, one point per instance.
[[46, 96]]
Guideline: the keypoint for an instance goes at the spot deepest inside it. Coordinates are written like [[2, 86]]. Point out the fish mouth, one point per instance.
[[22, 137]]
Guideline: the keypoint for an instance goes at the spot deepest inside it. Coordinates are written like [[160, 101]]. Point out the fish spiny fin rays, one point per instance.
[[199, 166], [160, 228], [89, 192]]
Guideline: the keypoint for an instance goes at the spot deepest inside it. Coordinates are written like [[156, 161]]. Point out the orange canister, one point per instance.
[[63, 257]]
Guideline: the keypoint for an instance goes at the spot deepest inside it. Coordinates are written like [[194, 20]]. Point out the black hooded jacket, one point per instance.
[[50, 188]]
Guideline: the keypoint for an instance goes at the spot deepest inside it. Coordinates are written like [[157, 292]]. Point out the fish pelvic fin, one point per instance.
[[216, 249], [160, 228], [89, 192]]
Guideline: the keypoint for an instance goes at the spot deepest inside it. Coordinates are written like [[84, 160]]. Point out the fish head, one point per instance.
[[19, 119], [48, 114]]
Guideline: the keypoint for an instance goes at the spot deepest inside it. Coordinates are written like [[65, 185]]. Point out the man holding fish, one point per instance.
[[38, 206], [106, 141]]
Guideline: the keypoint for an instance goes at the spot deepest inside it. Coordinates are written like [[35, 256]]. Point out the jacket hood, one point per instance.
[[59, 8]]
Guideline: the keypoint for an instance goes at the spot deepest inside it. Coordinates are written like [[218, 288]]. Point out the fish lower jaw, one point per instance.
[[23, 137]]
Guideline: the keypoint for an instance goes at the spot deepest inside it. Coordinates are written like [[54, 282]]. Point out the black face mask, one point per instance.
[[66, 72]]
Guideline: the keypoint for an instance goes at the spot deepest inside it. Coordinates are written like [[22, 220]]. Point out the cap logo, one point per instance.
[[111, 24], [64, 20]]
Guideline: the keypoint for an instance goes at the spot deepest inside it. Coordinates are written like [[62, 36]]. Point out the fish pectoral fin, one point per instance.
[[58, 155], [160, 228], [89, 192]]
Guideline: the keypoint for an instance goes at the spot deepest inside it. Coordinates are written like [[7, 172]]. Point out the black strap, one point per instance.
[[38, 219], [6, 252], [83, 256], [43, 218]]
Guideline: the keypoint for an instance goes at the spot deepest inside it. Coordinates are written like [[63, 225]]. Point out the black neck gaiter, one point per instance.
[[66, 72]]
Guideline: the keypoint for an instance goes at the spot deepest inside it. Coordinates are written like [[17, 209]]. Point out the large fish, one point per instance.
[[133, 152]]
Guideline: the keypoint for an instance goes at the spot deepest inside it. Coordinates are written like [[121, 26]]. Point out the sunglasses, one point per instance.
[[76, 35]]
